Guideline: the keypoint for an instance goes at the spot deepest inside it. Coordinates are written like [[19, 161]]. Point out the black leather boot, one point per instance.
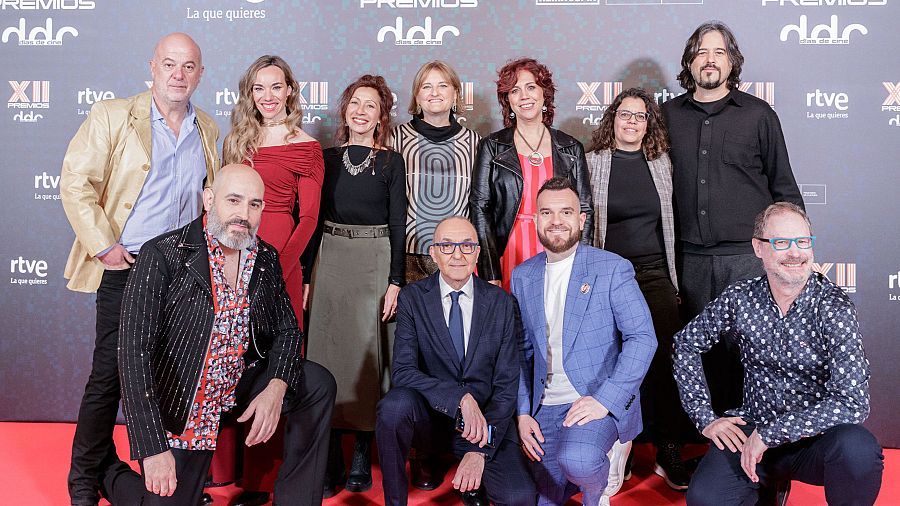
[[334, 470], [360, 478]]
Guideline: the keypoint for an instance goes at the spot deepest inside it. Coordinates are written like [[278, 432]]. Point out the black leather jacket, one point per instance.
[[497, 191]]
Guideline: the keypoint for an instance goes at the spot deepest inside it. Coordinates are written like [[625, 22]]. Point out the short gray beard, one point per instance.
[[219, 230]]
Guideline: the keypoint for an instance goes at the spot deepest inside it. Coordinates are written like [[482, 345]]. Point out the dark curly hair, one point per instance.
[[383, 129], [655, 142], [506, 81], [692, 47]]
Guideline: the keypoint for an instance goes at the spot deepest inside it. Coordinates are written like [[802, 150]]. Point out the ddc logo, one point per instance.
[[49, 38], [417, 35]]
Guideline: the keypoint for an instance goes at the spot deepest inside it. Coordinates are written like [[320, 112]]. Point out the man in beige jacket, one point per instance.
[[135, 169]]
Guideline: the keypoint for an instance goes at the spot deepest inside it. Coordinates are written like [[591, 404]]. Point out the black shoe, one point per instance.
[[475, 498], [670, 467], [205, 499], [425, 473], [334, 471], [360, 478], [250, 498]]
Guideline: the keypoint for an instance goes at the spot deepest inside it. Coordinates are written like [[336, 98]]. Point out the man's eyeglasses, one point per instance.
[[447, 248], [627, 115], [783, 243]]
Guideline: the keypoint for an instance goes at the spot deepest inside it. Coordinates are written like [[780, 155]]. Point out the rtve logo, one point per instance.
[[589, 100], [23, 266], [417, 35], [822, 34], [30, 38], [39, 99], [89, 96]]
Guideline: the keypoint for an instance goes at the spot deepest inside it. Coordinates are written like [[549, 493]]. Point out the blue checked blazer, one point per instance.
[[608, 336]]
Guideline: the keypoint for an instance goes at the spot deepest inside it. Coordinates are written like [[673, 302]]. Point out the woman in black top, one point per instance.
[[631, 176], [359, 269]]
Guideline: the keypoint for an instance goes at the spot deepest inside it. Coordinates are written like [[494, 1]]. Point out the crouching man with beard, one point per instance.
[[806, 378], [207, 333]]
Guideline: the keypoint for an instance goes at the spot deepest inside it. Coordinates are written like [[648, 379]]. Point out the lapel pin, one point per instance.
[[585, 288]]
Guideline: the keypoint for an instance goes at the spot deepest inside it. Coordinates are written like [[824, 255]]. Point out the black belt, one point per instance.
[[357, 232]]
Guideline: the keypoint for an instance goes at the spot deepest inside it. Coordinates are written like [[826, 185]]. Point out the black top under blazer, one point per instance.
[[166, 326]]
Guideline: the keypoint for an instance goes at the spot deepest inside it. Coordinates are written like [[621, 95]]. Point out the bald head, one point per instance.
[[456, 267], [234, 205], [176, 68], [177, 41]]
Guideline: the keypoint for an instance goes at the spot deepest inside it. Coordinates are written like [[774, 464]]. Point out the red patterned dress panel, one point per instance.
[[523, 240], [222, 366]]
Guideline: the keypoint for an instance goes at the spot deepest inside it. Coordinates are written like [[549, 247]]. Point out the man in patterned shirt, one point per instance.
[[806, 379], [207, 334]]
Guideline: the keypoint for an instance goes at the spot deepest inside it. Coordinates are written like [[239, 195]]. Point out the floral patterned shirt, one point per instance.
[[804, 371], [223, 365]]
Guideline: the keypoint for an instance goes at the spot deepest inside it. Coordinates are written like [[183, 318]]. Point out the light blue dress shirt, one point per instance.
[[172, 193]]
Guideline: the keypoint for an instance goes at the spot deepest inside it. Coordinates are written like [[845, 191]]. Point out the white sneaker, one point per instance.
[[604, 500], [618, 455]]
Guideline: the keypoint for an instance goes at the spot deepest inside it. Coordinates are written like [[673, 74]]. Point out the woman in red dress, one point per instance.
[[266, 134]]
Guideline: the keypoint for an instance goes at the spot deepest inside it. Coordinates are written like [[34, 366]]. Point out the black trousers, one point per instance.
[[404, 418], [664, 418], [703, 277], [306, 414], [846, 459], [93, 451]]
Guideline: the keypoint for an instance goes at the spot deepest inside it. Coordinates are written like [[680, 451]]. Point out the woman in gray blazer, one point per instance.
[[631, 184]]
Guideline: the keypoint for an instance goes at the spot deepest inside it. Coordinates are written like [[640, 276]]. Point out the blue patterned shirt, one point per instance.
[[804, 372]]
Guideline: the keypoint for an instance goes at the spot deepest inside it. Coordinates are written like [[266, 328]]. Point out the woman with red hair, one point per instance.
[[513, 163]]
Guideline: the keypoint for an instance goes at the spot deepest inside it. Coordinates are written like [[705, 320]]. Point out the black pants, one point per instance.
[[405, 418], [306, 415], [846, 459], [93, 451], [664, 419], [703, 277]]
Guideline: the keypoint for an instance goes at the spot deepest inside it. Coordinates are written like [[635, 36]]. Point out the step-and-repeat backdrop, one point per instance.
[[830, 68]]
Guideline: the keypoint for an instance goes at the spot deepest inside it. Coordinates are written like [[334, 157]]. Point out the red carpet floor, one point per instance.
[[34, 461]]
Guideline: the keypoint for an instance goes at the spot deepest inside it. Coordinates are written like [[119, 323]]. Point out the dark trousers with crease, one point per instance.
[[702, 278], [664, 419], [846, 459], [93, 451], [306, 414], [404, 418]]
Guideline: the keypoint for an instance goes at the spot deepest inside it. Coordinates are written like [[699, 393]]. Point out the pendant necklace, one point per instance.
[[356, 169], [535, 158]]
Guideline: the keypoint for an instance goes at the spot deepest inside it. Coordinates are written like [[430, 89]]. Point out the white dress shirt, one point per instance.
[[466, 301]]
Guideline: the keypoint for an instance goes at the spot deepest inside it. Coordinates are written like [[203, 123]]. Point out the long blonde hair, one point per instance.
[[246, 122]]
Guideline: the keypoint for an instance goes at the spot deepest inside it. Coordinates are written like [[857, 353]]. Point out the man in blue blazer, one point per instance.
[[588, 342], [455, 356]]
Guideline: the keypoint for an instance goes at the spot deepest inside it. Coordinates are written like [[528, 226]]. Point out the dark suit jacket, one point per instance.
[[425, 360], [166, 326]]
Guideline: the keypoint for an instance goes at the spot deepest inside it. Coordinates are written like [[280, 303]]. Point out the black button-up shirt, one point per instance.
[[804, 371], [729, 164]]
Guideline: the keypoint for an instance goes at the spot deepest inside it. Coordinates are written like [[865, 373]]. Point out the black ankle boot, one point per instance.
[[360, 478], [334, 470]]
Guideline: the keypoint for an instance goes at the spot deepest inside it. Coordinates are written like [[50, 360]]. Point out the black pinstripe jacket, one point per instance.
[[166, 325]]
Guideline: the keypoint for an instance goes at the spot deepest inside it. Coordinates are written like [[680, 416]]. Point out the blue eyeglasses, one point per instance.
[[783, 243]]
